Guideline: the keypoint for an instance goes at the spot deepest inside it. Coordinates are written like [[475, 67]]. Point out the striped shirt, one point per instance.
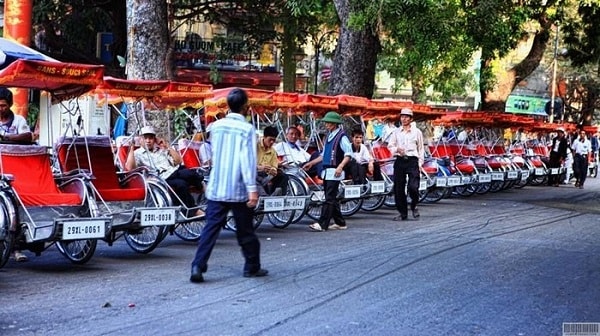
[[233, 172], [158, 159]]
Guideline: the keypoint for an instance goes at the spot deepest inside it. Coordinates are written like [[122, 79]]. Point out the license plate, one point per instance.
[[540, 171], [466, 180], [440, 181], [150, 217], [513, 174], [524, 174], [484, 178], [423, 185], [352, 192], [295, 203], [554, 171], [272, 204], [497, 176], [453, 181], [73, 230], [377, 187], [318, 196]]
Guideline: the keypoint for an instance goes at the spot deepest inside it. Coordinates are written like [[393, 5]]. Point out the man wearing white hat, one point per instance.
[[406, 143], [558, 154], [157, 154]]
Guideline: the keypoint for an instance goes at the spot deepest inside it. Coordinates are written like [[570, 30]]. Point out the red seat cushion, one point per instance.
[[33, 179], [74, 155]]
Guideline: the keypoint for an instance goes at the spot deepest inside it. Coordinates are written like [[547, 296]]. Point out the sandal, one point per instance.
[[200, 213], [316, 227]]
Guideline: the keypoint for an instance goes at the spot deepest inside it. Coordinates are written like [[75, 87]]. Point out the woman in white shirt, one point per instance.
[[362, 161]]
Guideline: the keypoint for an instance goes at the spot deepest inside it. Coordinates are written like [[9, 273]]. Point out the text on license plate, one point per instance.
[[83, 230], [152, 217]]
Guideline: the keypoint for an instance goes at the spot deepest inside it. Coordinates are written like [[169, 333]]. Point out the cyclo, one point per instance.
[[137, 200], [37, 207]]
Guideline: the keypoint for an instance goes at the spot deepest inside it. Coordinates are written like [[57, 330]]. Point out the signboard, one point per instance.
[[526, 105]]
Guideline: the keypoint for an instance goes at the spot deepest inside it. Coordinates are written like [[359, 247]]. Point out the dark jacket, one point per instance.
[[562, 147]]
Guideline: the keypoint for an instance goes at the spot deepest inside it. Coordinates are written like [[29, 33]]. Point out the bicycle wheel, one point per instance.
[[77, 251], [191, 231], [350, 206], [7, 243], [373, 203], [146, 239]]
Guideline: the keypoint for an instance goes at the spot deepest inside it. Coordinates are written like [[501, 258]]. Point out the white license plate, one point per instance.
[[83, 230], [540, 171], [513, 174], [352, 191], [524, 174], [453, 181], [554, 171], [497, 176], [150, 217], [377, 187], [295, 203], [440, 181], [318, 196], [484, 178], [423, 185], [466, 180], [272, 204]]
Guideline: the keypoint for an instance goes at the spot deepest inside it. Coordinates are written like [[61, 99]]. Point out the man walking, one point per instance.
[[558, 154], [406, 143], [231, 187]]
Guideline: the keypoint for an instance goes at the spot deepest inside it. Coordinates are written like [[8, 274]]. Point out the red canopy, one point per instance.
[[257, 99], [63, 80], [184, 94]]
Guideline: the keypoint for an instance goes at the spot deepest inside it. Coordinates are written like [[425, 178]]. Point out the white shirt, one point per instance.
[[582, 147], [18, 126], [205, 153], [411, 141], [290, 153], [363, 155], [158, 159]]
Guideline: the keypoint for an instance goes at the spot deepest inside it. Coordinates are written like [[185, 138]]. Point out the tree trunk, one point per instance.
[[147, 39], [288, 44], [148, 43], [494, 98], [355, 57]]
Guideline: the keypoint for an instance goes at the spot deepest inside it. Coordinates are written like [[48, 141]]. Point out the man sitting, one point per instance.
[[155, 153], [293, 153], [269, 175]]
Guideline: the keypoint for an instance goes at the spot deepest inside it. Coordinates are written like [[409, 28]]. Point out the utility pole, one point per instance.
[[554, 66]]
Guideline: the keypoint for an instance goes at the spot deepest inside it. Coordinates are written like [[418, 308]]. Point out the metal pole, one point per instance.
[[554, 66], [316, 84]]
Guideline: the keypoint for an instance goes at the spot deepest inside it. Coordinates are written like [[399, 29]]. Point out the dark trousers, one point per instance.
[[359, 172], [181, 180], [331, 207], [216, 217], [270, 183], [403, 167], [554, 162], [580, 168]]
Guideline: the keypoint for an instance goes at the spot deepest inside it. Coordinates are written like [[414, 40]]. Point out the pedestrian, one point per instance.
[[558, 154], [231, 188], [336, 155], [582, 149], [407, 145], [362, 161]]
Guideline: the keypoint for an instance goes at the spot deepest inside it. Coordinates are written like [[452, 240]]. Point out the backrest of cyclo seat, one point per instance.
[[122, 143], [30, 167], [382, 153], [190, 153], [73, 154]]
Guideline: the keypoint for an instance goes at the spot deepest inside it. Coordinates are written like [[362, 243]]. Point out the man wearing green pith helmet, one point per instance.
[[336, 156]]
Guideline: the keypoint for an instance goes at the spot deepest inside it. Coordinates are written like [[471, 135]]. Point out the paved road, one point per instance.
[[519, 262]]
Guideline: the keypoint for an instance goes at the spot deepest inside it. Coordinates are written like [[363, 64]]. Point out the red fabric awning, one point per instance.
[[184, 94], [257, 99], [63, 80]]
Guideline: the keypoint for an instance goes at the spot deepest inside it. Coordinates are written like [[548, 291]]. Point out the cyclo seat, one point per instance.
[[73, 154], [33, 179]]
